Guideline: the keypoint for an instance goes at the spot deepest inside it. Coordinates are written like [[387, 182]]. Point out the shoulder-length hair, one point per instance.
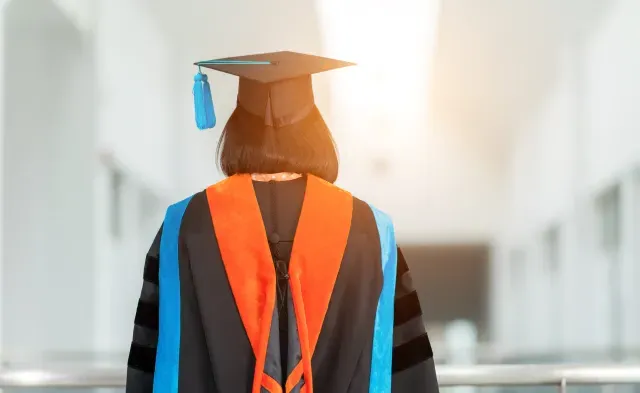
[[307, 147]]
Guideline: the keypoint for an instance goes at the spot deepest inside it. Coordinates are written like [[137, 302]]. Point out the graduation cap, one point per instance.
[[274, 87]]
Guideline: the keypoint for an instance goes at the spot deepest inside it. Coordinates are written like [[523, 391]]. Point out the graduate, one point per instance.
[[275, 280]]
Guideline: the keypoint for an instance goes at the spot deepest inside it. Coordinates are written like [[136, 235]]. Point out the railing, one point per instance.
[[538, 375], [501, 375]]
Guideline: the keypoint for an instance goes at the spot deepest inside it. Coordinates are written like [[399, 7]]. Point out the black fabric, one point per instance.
[[342, 361], [226, 343], [285, 65], [139, 381], [293, 354], [147, 315], [273, 364], [344, 348], [412, 352], [279, 94], [149, 292], [298, 387], [406, 308], [145, 337], [142, 354], [413, 369], [195, 364], [152, 262], [421, 378], [215, 352], [402, 267], [280, 205], [142, 357]]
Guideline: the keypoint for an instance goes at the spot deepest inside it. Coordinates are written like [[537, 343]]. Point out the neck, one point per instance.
[[281, 176]]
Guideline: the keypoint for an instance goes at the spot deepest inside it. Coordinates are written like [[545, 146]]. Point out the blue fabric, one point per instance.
[[203, 102], [165, 378], [380, 380]]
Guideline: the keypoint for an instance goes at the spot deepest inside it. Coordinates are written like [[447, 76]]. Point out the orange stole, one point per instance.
[[318, 248]]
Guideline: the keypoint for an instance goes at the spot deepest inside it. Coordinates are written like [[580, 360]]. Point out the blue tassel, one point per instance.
[[205, 114]]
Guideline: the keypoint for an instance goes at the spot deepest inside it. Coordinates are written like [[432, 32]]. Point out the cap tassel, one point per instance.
[[205, 114]]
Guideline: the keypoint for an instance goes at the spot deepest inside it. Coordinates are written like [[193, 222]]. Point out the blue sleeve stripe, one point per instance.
[[165, 378], [380, 379]]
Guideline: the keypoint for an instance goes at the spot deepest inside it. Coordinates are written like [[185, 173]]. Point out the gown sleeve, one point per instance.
[[412, 362], [142, 354]]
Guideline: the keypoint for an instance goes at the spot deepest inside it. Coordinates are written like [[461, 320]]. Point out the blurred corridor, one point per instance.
[[501, 135]]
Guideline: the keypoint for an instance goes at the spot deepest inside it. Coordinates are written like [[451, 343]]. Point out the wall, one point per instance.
[[81, 13], [137, 140], [80, 101], [583, 140], [47, 182], [136, 118]]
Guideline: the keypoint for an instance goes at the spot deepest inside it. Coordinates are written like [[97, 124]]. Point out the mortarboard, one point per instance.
[[275, 87]]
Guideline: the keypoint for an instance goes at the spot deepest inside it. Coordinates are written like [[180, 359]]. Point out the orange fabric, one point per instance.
[[271, 384], [318, 249], [316, 256], [243, 245], [293, 378]]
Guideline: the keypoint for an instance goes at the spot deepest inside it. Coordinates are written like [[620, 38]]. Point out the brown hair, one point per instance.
[[248, 146]]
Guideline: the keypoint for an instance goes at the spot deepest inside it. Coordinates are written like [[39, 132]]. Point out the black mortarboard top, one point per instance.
[[275, 87]]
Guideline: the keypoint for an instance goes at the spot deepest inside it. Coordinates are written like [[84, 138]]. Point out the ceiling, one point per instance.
[[497, 60]]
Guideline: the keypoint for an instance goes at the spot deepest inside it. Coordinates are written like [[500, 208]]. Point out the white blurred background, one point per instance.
[[501, 135]]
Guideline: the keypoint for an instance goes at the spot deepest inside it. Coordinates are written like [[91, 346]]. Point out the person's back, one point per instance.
[[278, 283]]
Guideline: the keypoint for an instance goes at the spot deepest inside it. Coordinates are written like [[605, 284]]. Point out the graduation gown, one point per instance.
[[230, 303]]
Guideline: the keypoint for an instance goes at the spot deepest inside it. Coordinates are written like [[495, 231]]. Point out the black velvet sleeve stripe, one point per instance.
[[151, 269], [411, 353], [406, 308], [142, 354], [420, 378], [139, 381], [142, 358], [407, 305], [412, 362], [147, 315]]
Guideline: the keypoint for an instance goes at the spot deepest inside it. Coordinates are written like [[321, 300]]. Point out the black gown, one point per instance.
[[215, 354]]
